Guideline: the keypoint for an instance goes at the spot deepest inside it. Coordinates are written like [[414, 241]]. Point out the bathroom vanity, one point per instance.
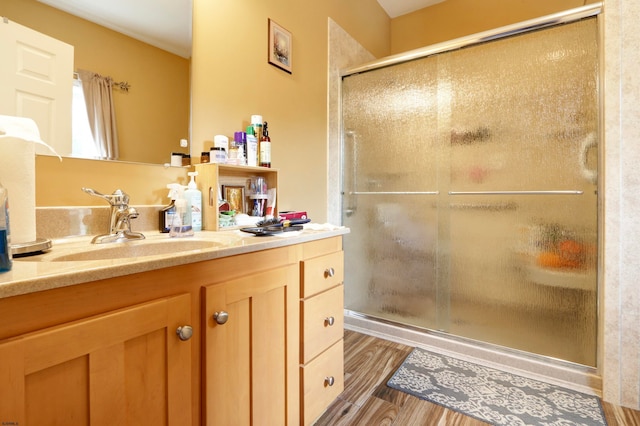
[[226, 334]]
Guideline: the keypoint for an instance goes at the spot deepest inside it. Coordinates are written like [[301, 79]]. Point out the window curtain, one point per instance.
[[101, 112]]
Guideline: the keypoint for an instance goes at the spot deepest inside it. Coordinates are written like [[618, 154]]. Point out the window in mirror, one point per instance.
[[83, 145]]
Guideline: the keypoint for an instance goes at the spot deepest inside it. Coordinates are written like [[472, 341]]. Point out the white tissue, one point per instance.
[[242, 219], [18, 137]]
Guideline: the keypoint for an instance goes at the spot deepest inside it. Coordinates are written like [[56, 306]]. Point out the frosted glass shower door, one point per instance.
[[523, 204], [390, 181], [470, 190]]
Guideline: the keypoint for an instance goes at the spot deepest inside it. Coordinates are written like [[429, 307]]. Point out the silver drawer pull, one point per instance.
[[185, 332], [329, 321], [221, 317], [330, 272], [329, 381]]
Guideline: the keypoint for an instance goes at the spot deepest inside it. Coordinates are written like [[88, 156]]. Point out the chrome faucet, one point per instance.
[[120, 218]]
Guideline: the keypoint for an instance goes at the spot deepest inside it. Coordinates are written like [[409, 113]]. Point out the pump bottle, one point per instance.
[[5, 236], [194, 202], [265, 147], [166, 214]]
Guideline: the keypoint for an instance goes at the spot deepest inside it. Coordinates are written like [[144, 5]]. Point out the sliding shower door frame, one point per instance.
[[584, 377]]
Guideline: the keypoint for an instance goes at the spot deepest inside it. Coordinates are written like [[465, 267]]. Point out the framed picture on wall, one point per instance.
[[280, 43], [234, 195]]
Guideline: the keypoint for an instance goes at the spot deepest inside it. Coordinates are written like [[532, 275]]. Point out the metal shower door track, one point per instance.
[[563, 17]]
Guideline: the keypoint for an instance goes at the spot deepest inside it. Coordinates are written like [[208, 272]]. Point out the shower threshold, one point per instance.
[[574, 376]]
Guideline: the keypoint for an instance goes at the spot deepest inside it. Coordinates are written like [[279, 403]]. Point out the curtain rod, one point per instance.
[[122, 85]]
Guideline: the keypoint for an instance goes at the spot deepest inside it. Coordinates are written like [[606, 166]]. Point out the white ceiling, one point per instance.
[[395, 8], [162, 23], [167, 23]]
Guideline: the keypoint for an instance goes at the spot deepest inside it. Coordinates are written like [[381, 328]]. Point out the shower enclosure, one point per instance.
[[470, 188]]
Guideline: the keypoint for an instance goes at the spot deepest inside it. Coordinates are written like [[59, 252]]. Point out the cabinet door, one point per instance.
[[251, 350], [125, 367]]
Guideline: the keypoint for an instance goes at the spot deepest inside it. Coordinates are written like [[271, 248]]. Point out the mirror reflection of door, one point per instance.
[[36, 73]]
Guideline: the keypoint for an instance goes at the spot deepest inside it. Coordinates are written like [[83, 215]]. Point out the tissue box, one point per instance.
[[288, 215]]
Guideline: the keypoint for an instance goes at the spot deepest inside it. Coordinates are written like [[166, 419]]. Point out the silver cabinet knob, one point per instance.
[[329, 321], [329, 272], [185, 332], [221, 317], [329, 381]]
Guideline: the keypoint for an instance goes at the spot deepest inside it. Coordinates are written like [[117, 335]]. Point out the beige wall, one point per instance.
[[60, 183], [232, 80], [457, 18], [154, 115]]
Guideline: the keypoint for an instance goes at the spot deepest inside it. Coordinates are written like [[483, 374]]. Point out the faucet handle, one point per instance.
[[118, 198]]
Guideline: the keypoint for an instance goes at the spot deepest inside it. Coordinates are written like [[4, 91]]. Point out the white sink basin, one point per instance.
[[127, 250]]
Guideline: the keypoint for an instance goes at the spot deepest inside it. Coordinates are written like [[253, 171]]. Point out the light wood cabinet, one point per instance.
[[251, 349], [107, 352], [124, 367], [212, 176], [322, 321]]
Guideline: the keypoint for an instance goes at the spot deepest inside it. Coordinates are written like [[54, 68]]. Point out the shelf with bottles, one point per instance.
[[211, 179]]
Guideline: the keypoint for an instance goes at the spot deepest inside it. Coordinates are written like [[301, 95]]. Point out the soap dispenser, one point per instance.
[[166, 214], [5, 235], [181, 220], [194, 202]]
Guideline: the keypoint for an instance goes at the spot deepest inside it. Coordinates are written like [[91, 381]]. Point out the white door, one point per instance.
[[36, 77]]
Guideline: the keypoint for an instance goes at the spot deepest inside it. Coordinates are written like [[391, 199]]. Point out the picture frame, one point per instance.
[[234, 195], [280, 47]]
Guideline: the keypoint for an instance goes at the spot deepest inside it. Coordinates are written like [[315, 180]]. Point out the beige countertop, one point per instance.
[[40, 272]]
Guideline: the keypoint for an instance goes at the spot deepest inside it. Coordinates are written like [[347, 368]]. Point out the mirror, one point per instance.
[[154, 114]]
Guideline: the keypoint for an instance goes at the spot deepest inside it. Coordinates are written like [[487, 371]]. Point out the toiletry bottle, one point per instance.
[[265, 147], [239, 146], [166, 214], [221, 141], [252, 148], [256, 124], [194, 201], [5, 234], [181, 220], [242, 149]]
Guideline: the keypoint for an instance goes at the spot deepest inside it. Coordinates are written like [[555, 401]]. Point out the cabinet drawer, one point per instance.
[[321, 273], [318, 393], [322, 322]]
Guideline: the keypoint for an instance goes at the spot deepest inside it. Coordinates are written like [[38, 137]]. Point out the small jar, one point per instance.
[[233, 155], [218, 155], [186, 160], [205, 157], [176, 159]]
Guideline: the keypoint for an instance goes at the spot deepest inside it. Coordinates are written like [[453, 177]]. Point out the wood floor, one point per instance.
[[369, 362]]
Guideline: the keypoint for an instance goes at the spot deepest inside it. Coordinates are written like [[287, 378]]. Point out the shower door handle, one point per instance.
[[395, 193], [587, 144], [552, 192]]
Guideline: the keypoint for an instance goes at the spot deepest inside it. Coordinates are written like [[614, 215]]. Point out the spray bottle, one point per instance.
[[181, 221], [5, 237], [194, 202]]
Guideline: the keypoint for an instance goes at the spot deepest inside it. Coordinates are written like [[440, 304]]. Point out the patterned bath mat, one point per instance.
[[492, 395]]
